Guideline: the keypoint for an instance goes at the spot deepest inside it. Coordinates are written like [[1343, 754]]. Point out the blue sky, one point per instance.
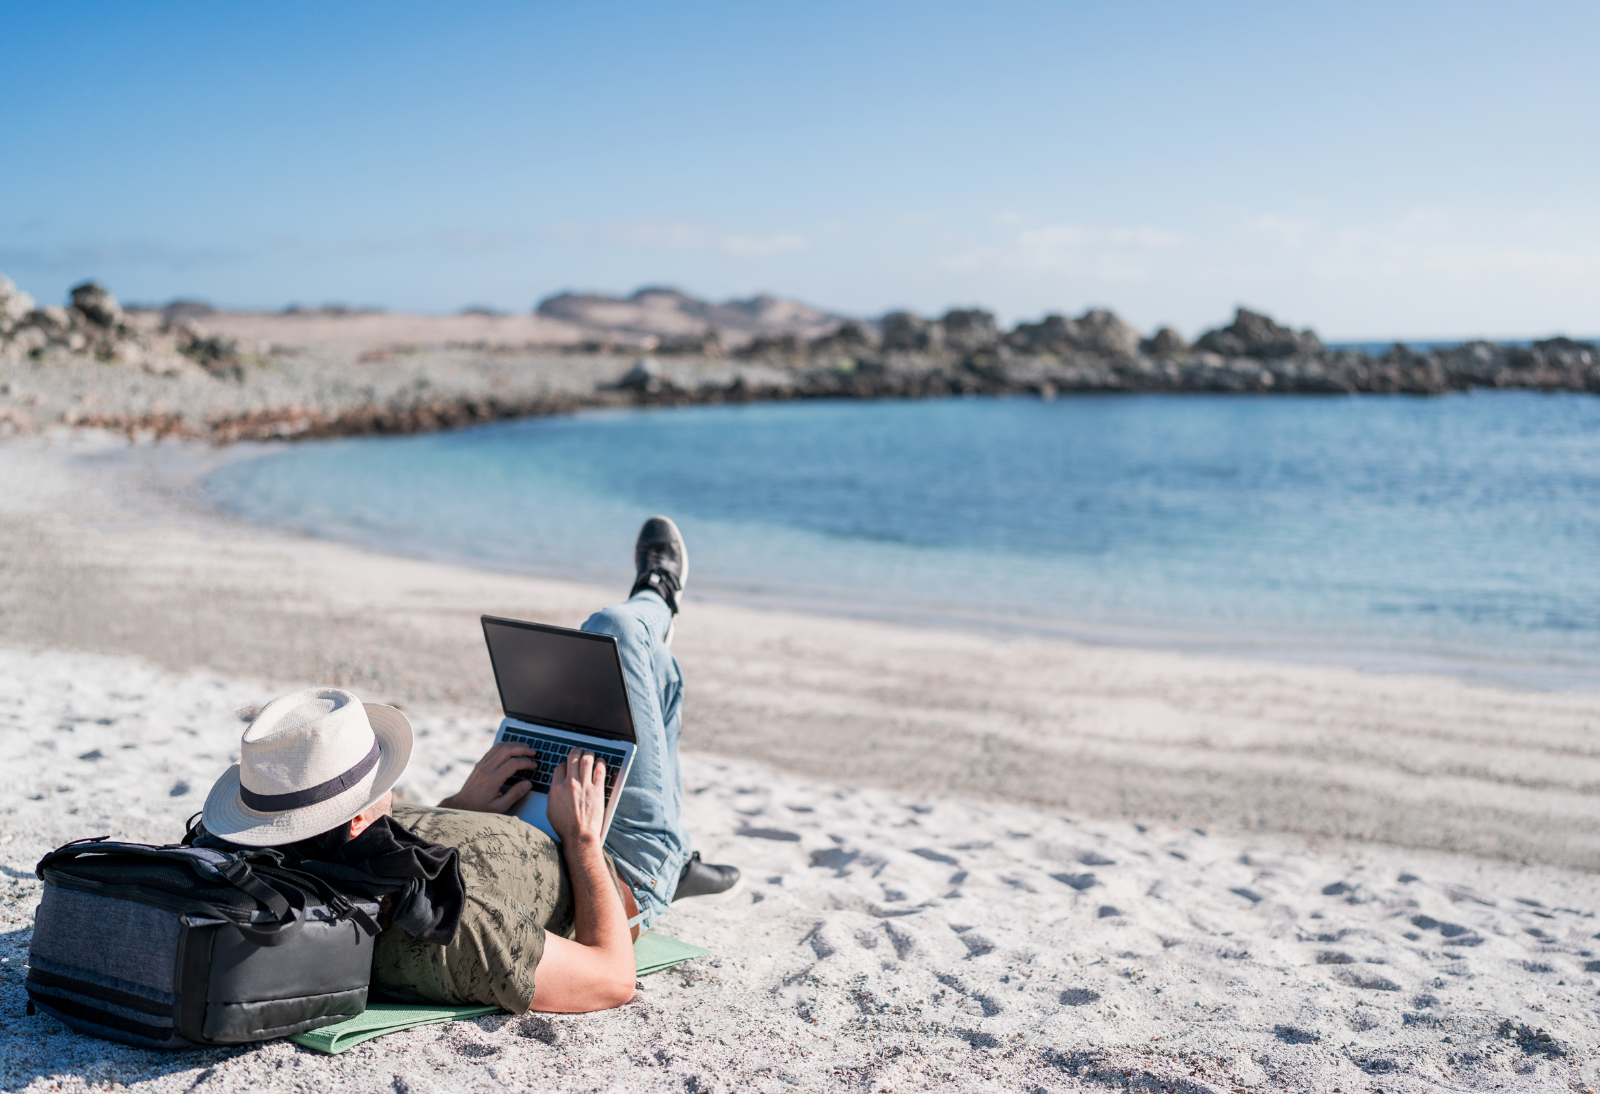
[[1373, 170]]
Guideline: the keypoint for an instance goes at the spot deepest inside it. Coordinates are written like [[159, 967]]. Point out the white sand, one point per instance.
[[911, 937], [882, 940]]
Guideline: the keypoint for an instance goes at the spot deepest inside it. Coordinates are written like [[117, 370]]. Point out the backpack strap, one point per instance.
[[70, 850], [336, 902], [287, 910], [286, 923], [252, 872]]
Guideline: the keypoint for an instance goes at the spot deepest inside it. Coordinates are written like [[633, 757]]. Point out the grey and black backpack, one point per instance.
[[176, 947]]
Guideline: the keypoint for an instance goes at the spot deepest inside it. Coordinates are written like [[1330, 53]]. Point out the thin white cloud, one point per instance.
[[75, 260], [756, 246], [484, 241], [1290, 231], [1432, 241], [664, 235], [1109, 252]]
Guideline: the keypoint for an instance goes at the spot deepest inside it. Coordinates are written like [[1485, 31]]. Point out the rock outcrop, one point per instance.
[[93, 323], [964, 351], [94, 326], [970, 330], [97, 305], [1165, 342], [1097, 331], [907, 332], [14, 306], [1252, 334], [147, 372]]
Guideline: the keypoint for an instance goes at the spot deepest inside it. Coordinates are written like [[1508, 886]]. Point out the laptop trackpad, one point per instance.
[[532, 810]]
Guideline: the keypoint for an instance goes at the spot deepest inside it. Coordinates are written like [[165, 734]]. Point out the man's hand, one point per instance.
[[481, 792], [577, 806]]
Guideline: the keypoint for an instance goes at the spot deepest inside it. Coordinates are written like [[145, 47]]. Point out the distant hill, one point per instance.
[[668, 313]]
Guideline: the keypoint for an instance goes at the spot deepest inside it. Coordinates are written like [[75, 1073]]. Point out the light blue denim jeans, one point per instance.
[[648, 839]]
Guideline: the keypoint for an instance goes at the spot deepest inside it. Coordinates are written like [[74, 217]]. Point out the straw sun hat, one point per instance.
[[310, 761]]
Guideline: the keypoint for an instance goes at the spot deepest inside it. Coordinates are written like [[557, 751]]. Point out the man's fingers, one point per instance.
[[503, 751], [510, 765], [580, 765], [505, 802]]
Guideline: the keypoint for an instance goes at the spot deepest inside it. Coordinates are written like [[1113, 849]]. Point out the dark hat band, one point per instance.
[[299, 799]]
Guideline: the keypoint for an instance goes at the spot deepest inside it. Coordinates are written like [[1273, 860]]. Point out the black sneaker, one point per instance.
[[661, 561], [703, 879]]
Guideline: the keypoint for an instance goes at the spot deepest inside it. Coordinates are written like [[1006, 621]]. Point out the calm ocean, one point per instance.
[[1457, 534]]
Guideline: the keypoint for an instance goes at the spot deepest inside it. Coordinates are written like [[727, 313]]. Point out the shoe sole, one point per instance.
[[683, 550], [723, 897]]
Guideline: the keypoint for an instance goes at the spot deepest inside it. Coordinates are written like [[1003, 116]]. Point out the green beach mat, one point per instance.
[[379, 1019], [651, 953]]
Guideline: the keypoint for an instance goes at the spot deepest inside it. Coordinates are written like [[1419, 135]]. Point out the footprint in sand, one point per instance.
[[835, 859], [1080, 882], [1454, 933], [1294, 1035], [779, 834]]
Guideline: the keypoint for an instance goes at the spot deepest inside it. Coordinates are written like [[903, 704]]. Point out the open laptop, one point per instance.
[[560, 688]]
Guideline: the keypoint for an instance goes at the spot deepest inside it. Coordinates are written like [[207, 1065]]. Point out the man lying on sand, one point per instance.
[[476, 901]]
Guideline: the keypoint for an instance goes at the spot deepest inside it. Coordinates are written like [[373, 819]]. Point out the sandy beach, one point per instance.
[[974, 861]]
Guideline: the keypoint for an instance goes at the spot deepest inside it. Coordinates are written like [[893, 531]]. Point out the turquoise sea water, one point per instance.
[[1459, 533]]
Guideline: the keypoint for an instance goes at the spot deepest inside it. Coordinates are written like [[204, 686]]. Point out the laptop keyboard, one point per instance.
[[553, 750]]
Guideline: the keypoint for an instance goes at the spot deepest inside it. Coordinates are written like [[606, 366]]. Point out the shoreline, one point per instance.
[[973, 863], [137, 566], [231, 376], [186, 468], [497, 388]]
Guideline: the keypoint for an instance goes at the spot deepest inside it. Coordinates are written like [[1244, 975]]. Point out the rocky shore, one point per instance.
[[178, 371]]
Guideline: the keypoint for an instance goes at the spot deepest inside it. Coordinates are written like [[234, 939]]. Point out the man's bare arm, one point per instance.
[[595, 970]]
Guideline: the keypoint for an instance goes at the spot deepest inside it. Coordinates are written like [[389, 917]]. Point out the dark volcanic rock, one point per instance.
[[644, 376], [910, 333], [1165, 342], [1252, 334], [851, 337], [1567, 352], [773, 347], [1050, 335], [708, 343], [96, 304], [217, 354], [969, 330], [1097, 331], [1100, 331]]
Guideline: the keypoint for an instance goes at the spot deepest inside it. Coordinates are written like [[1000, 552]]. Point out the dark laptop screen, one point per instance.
[[558, 677]]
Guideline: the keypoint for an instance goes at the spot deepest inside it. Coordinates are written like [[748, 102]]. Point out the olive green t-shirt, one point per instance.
[[517, 888]]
